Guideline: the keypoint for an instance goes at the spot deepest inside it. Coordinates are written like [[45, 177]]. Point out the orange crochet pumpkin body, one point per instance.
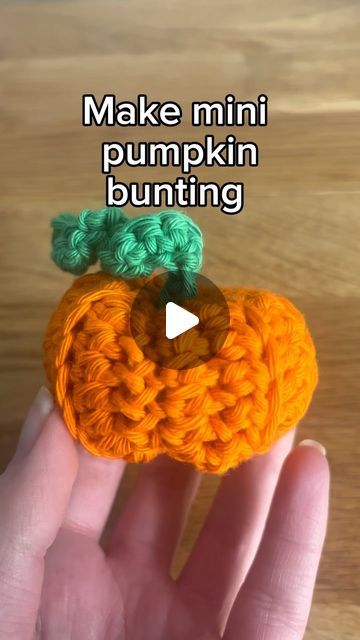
[[119, 403]]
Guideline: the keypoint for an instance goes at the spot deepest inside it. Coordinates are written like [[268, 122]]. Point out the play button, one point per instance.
[[178, 320], [179, 324]]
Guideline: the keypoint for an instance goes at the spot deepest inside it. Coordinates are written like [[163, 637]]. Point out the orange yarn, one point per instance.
[[118, 403]]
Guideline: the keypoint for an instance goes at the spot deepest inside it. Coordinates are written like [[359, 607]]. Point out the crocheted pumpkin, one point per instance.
[[119, 403]]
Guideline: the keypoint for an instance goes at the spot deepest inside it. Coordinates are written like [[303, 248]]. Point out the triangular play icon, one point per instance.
[[178, 320]]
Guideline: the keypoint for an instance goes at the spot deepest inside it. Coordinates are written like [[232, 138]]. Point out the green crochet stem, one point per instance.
[[130, 248]]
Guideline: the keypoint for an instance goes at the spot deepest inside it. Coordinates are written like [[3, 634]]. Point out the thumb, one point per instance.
[[34, 492]]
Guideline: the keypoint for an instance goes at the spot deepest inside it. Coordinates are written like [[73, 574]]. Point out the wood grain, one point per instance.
[[298, 234]]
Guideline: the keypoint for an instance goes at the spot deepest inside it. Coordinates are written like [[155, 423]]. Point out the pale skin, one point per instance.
[[250, 576]]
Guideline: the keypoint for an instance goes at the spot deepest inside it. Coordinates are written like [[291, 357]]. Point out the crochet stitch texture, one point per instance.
[[118, 403], [128, 248]]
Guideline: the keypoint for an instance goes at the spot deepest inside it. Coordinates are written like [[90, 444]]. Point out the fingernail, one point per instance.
[[314, 444], [39, 411], [44, 401]]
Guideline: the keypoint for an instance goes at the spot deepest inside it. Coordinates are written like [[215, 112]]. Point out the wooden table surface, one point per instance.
[[298, 233]]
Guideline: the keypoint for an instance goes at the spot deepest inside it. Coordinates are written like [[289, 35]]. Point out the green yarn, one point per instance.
[[179, 286], [127, 248]]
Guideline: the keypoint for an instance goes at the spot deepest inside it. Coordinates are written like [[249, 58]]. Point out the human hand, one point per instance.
[[57, 583]]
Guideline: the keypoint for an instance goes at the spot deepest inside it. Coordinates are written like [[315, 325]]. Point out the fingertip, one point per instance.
[[310, 456], [314, 444], [40, 409], [304, 480], [37, 487], [58, 443]]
